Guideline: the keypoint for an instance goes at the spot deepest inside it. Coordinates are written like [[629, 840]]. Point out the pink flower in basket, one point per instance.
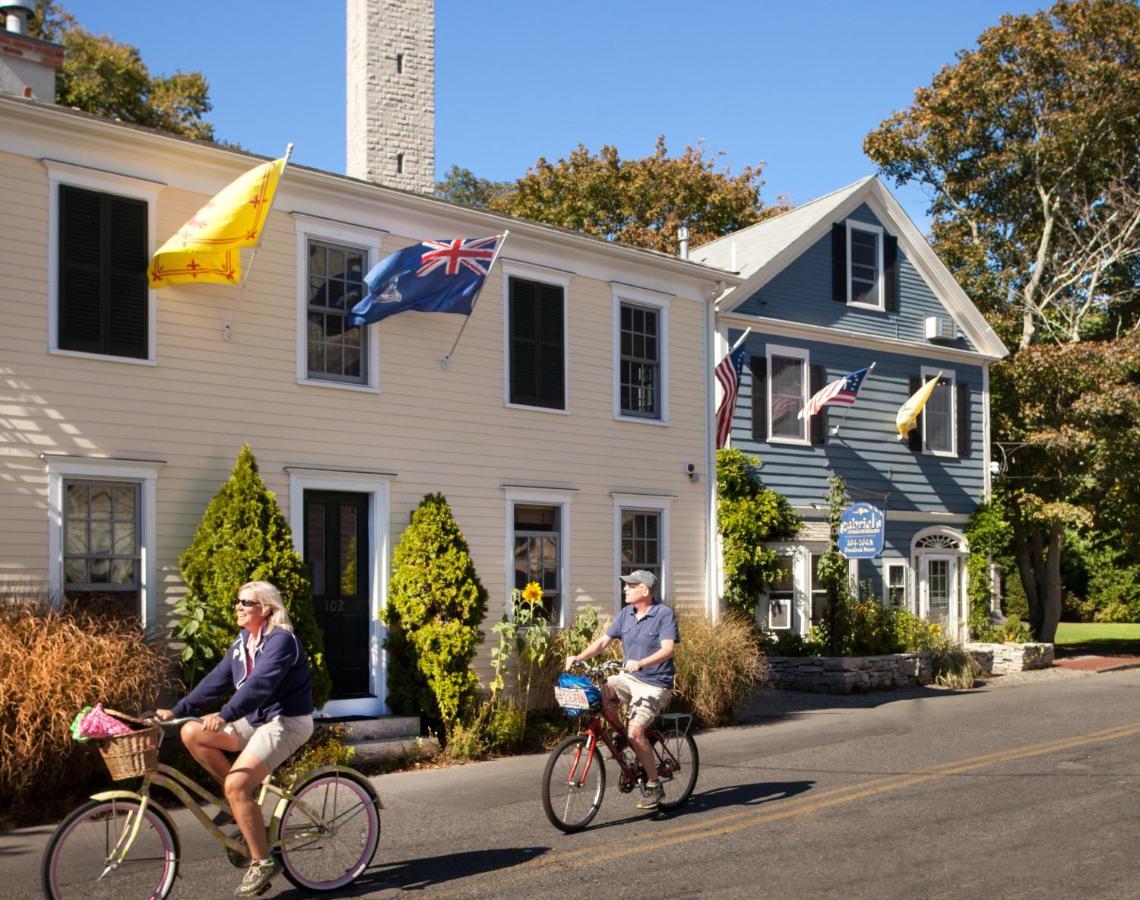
[[98, 724]]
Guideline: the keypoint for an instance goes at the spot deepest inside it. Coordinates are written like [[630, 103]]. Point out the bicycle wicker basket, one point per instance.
[[131, 755]]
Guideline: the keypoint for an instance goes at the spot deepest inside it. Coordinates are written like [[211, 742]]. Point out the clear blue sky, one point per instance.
[[796, 85]]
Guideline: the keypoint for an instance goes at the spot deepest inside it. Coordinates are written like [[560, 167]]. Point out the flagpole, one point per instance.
[[740, 340], [443, 363], [228, 332], [847, 409]]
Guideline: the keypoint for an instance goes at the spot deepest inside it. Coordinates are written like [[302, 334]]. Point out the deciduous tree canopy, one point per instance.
[[641, 202], [107, 78]]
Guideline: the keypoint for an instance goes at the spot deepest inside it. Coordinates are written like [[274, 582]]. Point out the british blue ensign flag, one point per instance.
[[435, 276]]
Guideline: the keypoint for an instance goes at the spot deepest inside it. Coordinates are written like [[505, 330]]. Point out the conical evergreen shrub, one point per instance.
[[243, 537], [435, 606]]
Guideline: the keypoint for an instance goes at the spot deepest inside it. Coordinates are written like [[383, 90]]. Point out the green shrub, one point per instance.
[[716, 665], [243, 537], [435, 606], [327, 747], [989, 536], [51, 666], [748, 516], [787, 643], [1011, 631]]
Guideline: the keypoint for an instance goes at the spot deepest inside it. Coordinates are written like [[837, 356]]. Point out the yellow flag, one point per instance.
[[206, 248], [907, 416]]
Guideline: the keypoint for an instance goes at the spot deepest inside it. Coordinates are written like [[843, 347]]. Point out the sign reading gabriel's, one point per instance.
[[861, 529]]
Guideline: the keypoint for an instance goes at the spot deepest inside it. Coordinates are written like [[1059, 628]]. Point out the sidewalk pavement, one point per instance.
[[1098, 662]]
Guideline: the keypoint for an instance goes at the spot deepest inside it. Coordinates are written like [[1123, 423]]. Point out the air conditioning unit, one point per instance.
[[941, 328]]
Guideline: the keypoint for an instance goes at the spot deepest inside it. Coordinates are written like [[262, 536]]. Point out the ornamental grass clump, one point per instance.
[[716, 665], [53, 664]]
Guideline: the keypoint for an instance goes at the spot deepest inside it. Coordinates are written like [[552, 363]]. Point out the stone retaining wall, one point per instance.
[[1002, 659], [849, 674]]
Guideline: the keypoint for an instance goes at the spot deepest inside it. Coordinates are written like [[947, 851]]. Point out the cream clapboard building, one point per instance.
[[122, 408]]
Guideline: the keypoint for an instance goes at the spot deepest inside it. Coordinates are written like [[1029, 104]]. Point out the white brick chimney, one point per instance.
[[27, 64], [391, 93]]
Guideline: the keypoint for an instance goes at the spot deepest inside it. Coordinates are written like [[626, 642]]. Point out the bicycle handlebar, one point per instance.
[[609, 667]]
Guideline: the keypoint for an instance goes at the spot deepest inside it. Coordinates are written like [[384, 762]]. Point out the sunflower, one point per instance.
[[532, 593], [936, 629]]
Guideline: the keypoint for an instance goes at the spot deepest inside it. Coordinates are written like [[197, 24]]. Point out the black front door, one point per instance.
[[336, 551]]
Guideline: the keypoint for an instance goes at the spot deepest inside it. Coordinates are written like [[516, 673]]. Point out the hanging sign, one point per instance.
[[861, 530]]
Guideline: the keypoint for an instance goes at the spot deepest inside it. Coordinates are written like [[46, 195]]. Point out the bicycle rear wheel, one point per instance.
[[329, 852], [573, 784], [677, 765], [75, 861]]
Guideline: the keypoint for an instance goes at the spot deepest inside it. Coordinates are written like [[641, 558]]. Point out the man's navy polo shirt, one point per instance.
[[643, 638]]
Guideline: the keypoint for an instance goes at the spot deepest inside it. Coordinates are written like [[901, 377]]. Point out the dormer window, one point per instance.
[[864, 265]]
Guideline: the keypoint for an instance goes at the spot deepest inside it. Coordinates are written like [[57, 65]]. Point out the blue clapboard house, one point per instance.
[[833, 286]]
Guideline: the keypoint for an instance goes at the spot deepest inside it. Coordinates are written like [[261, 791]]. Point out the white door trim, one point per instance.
[[377, 488]]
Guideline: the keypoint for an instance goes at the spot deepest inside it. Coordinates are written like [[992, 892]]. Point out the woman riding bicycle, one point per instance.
[[648, 633], [269, 716]]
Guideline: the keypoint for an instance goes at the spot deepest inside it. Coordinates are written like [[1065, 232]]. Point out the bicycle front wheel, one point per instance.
[[330, 830], [573, 784], [82, 859], [677, 766]]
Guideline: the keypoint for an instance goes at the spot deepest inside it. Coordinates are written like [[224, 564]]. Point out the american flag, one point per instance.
[[841, 392], [728, 374]]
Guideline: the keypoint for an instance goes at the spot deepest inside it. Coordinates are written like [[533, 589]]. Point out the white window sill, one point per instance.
[[640, 420], [873, 307], [103, 357], [541, 409], [790, 441], [946, 454], [340, 385]]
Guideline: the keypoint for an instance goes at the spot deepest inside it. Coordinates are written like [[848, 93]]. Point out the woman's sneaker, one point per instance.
[[257, 878], [651, 795]]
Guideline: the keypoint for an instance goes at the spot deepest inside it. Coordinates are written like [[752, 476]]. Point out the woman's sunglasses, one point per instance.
[[246, 603]]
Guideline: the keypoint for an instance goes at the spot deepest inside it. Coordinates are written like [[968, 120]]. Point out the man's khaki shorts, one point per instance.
[[274, 741], [645, 701]]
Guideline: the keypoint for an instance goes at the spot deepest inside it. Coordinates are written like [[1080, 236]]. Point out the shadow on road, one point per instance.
[[421, 874]]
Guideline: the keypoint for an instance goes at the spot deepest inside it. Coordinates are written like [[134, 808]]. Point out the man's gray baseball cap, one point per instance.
[[640, 576]]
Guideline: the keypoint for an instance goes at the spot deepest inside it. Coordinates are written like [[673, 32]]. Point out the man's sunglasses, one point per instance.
[[246, 603]]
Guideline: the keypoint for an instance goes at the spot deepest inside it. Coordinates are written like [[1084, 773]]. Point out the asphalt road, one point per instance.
[[1014, 790]]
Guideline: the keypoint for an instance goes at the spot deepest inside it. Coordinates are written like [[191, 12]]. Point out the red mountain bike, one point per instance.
[[574, 780]]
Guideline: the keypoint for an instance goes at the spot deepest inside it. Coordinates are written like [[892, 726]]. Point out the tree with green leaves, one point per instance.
[[1030, 147], [436, 604], [243, 537], [749, 516], [464, 187], [108, 78], [641, 202]]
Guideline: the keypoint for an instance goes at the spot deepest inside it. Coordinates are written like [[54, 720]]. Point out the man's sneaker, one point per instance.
[[651, 795], [257, 878]]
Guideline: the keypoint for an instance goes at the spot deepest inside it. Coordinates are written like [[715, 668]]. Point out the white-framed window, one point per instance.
[[938, 416], [864, 265], [101, 535], [535, 333], [538, 545], [332, 259], [895, 593], [641, 342], [641, 539], [816, 591], [782, 595], [787, 394], [101, 234]]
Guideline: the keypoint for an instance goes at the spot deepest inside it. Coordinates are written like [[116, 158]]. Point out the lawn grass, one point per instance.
[[1091, 636]]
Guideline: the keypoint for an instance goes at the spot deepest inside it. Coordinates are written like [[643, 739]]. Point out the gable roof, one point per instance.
[[762, 251]]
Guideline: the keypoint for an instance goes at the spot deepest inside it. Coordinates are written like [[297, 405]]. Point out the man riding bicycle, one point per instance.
[[648, 633]]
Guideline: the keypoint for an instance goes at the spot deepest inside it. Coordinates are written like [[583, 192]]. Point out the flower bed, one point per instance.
[[850, 674]]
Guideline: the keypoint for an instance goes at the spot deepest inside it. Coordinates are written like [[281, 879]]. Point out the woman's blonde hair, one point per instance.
[[269, 599]]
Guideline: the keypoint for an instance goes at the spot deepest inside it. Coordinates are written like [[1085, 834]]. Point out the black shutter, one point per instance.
[[914, 438], [102, 273], [962, 401], [759, 366], [537, 344], [818, 426], [839, 262], [891, 272], [126, 306], [80, 240]]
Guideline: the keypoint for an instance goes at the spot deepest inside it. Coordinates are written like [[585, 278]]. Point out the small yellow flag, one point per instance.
[[206, 248], [907, 416]]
